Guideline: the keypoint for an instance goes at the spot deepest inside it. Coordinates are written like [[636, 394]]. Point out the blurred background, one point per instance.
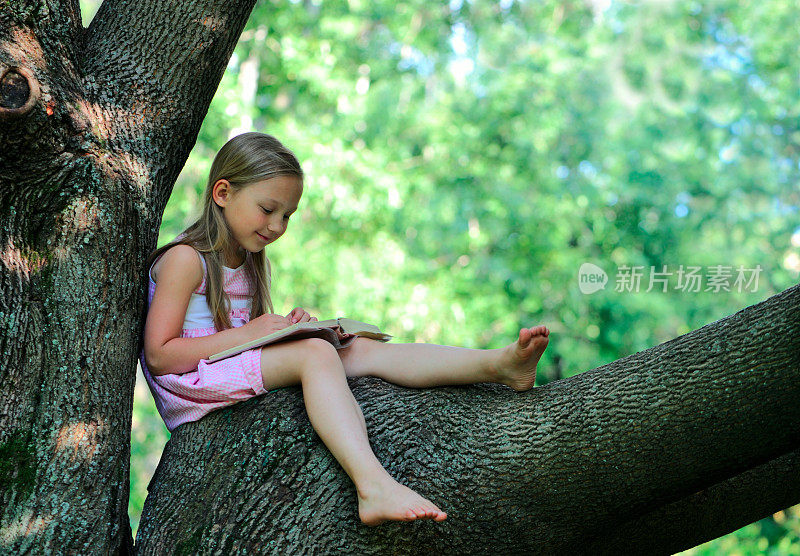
[[464, 159]]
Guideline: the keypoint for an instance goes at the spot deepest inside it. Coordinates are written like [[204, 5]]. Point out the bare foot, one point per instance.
[[516, 366], [388, 500]]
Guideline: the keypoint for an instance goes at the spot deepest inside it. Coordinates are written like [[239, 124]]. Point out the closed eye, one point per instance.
[[268, 211]]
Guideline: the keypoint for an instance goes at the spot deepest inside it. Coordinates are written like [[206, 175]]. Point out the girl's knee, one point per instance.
[[283, 364], [318, 356], [317, 353], [316, 347]]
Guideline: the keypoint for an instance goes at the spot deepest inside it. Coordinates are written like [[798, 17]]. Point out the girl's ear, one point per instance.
[[221, 192]]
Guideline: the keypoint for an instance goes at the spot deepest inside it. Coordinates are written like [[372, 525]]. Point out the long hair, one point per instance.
[[245, 159]]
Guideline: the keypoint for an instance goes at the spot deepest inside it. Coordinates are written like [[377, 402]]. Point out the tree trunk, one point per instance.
[[654, 453], [95, 126]]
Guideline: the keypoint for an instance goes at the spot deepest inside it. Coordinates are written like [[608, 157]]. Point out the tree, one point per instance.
[[95, 126]]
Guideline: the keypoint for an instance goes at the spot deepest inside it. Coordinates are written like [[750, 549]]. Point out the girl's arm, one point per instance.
[[181, 355], [165, 351]]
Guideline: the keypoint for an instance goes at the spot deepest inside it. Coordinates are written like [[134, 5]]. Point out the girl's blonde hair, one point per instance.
[[245, 159]]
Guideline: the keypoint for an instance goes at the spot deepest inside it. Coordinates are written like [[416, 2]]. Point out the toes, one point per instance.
[[427, 512], [540, 331], [419, 512], [526, 334]]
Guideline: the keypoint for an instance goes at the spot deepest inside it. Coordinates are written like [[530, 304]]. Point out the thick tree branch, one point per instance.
[[159, 64], [557, 466], [710, 513]]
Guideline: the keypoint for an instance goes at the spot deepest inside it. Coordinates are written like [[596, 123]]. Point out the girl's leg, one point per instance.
[[427, 365], [336, 416]]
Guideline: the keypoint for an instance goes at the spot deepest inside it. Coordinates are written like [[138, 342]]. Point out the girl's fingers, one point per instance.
[[302, 316], [299, 315]]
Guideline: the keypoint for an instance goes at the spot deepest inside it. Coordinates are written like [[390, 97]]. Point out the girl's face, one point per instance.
[[258, 213]]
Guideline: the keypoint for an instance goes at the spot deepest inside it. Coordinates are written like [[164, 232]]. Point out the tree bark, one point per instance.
[[654, 453], [95, 126]]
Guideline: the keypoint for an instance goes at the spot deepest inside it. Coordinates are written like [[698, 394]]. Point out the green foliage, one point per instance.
[[465, 159], [777, 535]]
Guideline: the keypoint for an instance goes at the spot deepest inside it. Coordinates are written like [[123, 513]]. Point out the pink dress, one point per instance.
[[189, 396]]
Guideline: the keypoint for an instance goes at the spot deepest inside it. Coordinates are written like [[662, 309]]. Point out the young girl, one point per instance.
[[210, 290]]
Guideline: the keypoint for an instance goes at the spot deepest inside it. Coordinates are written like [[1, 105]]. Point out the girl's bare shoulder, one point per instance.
[[180, 258]]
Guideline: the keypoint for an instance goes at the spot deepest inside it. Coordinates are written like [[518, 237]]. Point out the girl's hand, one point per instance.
[[299, 315], [267, 324]]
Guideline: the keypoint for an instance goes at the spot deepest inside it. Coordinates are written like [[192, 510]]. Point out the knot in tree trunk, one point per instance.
[[19, 91]]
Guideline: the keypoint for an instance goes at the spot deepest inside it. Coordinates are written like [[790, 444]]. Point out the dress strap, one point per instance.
[[201, 289]]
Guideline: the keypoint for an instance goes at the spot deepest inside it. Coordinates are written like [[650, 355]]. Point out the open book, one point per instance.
[[340, 332]]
